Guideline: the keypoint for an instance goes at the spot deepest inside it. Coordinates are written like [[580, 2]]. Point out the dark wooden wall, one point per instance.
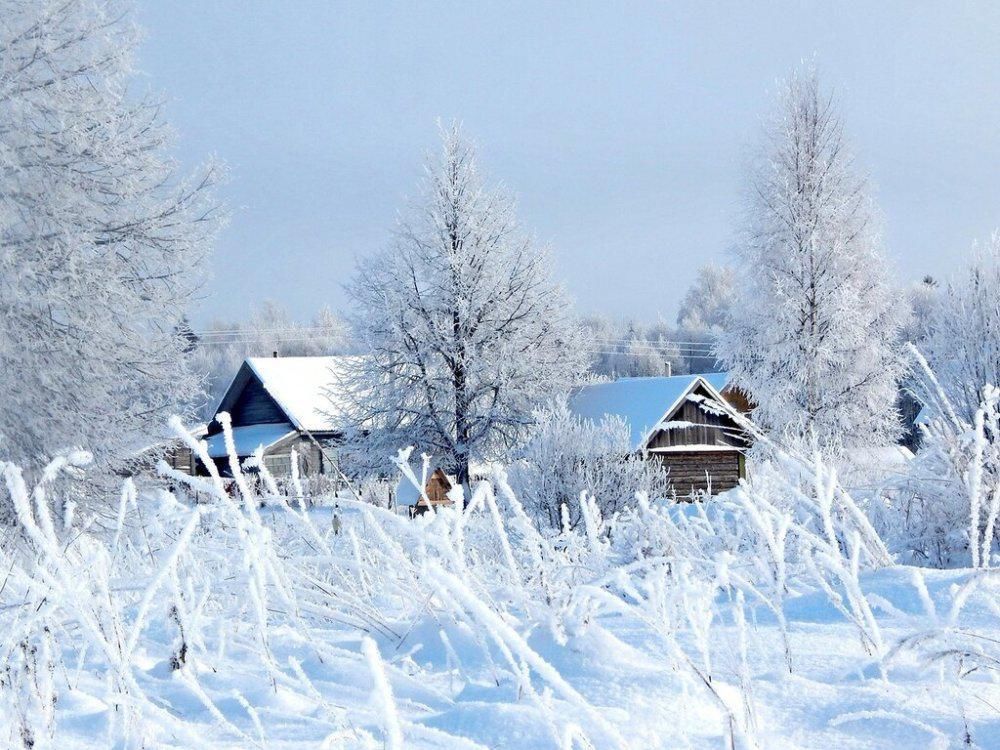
[[695, 470], [711, 429], [248, 402], [181, 458], [256, 406], [278, 459]]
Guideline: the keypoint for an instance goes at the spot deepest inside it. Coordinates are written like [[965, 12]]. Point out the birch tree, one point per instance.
[[814, 329], [463, 332], [962, 342], [100, 239], [704, 313]]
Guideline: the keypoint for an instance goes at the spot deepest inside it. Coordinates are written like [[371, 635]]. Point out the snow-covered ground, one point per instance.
[[227, 625]]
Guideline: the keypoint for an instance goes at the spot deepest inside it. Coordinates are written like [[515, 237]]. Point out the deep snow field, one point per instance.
[[226, 624]]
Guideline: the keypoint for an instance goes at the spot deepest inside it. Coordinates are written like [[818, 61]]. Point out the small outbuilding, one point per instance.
[[435, 493], [689, 423]]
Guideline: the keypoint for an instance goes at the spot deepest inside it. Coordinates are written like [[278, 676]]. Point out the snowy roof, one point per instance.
[[304, 388], [407, 493], [247, 439], [642, 402]]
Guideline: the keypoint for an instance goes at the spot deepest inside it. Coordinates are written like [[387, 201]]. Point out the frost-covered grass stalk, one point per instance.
[[948, 508], [229, 621]]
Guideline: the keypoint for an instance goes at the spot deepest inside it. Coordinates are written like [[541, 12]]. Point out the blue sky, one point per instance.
[[623, 128]]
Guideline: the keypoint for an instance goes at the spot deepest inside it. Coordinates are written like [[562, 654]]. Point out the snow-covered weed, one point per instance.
[[946, 513], [223, 622]]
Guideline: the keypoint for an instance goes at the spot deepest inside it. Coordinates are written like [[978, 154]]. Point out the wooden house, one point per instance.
[[281, 404], [686, 422], [435, 493]]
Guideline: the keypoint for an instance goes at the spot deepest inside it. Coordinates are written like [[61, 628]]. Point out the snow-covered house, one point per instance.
[[687, 422], [280, 404], [407, 495]]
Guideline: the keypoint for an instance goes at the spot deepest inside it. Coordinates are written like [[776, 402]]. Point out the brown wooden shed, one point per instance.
[[436, 492], [437, 488], [686, 422]]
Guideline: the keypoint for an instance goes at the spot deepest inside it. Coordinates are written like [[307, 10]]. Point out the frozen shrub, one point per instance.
[[963, 342], [948, 510], [567, 456], [246, 617]]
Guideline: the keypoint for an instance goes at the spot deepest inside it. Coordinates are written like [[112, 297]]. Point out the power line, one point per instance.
[[259, 331], [657, 343], [603, 346], [280, 332]]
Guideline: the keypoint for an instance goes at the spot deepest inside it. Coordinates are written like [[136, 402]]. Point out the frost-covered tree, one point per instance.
[[946, 512], [814, 329], [567, 455], [922, 297], [705, 306], [100, 240], [632, 349], [703, 313], [463, 332], [962, 345]]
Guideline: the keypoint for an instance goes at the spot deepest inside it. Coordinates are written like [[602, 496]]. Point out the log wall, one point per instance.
[[690, 471]]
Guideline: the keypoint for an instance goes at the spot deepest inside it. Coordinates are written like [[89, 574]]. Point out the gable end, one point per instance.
[[689, 423], [248, 402]]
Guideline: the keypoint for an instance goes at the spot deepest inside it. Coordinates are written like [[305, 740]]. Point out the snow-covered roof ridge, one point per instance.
[[644, 403], [305, 388]]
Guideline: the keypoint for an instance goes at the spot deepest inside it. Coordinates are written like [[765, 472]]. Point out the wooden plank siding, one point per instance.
[[278, 457], [437, 488], [708, 429], [248, 402], [697, 470], [738, 399], [181, 458], [715, 459]]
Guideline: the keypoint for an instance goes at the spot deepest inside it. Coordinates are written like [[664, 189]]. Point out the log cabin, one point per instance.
[[686, 422]]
